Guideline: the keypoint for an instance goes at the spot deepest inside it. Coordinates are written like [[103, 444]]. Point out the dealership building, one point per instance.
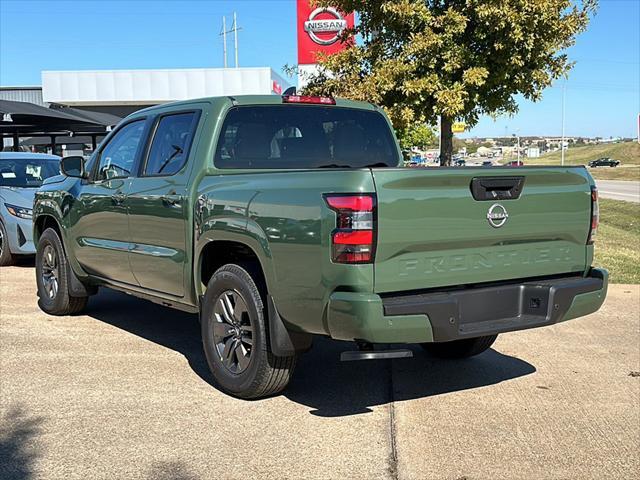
[[121, 92], [114, 94]]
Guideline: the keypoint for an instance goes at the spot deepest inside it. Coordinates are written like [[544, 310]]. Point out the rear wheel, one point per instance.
[[6, 257], [52, 277], [460, 348], [234, 336]]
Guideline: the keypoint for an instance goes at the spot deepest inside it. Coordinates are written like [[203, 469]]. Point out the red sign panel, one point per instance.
[[319, 30]]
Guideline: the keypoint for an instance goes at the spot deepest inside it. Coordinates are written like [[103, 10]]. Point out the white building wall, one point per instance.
[[150, 87]]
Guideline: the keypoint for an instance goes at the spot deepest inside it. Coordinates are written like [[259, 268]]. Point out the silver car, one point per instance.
[[20, 176]]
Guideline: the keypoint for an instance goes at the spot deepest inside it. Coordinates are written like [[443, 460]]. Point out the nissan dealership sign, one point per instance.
[[320, 30], [325, 31]]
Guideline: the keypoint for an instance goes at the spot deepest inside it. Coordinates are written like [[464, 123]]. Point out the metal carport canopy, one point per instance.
[[25, 118], [22, 119]]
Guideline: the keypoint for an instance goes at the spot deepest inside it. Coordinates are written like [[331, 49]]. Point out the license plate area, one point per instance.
[[510, 302]]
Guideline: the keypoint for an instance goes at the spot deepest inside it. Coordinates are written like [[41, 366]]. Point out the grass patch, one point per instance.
[[617, 173], [618, 242], [627, 152]]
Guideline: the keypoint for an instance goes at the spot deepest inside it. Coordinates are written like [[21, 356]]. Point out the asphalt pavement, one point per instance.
[[123, 392], [628, 190]]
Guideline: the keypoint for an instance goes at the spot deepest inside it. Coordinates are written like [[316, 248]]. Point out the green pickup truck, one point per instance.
[[279, 218]]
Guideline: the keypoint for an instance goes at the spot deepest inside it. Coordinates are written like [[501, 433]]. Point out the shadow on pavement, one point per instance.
[[170, 471], [322, 382], [25, 261], [18, 447], [333, 388]]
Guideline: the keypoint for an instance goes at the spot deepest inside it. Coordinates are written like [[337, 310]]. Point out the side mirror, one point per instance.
[[73, 167]]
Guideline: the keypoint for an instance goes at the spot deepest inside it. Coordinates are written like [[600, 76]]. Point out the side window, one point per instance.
[[118, 156], [170, 146]]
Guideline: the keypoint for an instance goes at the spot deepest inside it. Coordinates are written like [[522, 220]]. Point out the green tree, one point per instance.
[[418, 135], [452, 59]]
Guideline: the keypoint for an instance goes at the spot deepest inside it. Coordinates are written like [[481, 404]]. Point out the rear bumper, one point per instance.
[[464, 313]]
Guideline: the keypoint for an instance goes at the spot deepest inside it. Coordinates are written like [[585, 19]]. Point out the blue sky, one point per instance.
[[602, 92]]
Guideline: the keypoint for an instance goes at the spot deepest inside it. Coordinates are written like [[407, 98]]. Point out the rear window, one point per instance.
[[302, 136]]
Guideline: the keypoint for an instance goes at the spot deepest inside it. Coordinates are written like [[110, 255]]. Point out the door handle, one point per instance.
[[171, 199], [118, 198]]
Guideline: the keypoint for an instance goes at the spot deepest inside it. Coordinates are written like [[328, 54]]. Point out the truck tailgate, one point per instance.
[[432, 232]]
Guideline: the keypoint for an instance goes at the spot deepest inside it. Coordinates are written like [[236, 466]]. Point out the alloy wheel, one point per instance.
[[50, 271], [232, 331]]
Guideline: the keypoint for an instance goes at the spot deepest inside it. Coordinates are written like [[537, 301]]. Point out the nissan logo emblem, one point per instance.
[[334, 25], [497, 215]]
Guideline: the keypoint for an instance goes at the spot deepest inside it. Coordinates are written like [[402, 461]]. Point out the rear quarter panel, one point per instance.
[[282, 216]]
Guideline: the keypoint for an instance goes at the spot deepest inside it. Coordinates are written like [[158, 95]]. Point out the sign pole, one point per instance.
[[439, 139], [562, 144]]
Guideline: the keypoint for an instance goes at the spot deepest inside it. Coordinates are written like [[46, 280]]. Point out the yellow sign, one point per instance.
[[458, 127]]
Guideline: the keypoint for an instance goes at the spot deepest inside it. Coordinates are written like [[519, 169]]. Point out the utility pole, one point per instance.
[[234, 28], [235, 36], [564, 88], [224, 40]]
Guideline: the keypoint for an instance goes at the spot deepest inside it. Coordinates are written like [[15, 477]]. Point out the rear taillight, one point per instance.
[[353, 240], [595, 215], [308, 99]]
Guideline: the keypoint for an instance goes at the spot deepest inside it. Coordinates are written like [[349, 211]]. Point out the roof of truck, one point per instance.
[[255, 100]]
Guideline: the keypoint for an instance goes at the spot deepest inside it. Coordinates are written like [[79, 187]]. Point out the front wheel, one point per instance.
[[52, 277], [465, 348], [234, 337]]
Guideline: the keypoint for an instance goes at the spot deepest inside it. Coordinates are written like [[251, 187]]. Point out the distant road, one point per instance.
[[619, 190]]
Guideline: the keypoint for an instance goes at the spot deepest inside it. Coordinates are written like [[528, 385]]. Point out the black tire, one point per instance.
[[6, 257], [249, 368], [52, 277], [460, 348]]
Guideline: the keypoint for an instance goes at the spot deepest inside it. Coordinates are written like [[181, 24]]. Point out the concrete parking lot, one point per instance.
[[124, 392]]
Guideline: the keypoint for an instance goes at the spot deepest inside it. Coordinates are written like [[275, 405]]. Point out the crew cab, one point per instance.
[[280, 218]]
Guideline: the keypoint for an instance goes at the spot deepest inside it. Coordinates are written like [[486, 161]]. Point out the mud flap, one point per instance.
[[284, 342]]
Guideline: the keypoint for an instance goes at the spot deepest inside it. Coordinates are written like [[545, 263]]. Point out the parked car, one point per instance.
[[460, 162], [280, 218], [604, 162], [20, 175], [514, 163]]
